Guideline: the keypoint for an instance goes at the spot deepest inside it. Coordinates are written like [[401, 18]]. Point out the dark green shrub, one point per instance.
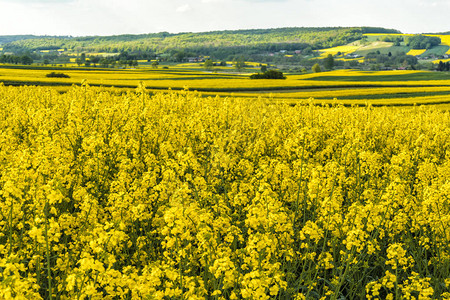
[[57, 75], [270, 74]]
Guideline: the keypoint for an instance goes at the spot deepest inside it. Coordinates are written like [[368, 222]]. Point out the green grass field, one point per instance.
[[438, 50]]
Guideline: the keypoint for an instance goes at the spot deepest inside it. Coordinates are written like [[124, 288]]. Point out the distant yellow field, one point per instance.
[[105, 54], [339, 93], [358, 59], [438, 60], [252, 64], [347, 49], [349, 72], [388, 34], [415, 52], [348, 86]]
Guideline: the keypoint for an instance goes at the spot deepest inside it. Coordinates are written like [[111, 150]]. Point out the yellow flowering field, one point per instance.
[[347, 49], [179, 78], [443, 60], [416, 52], [129, 195], [445, 40], [338, 93]]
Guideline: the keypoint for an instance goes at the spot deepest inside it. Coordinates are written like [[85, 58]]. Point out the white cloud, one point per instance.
[[184, 8], [107, 17]]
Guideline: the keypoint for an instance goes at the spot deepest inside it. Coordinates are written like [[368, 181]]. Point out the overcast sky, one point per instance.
[[108, 17]]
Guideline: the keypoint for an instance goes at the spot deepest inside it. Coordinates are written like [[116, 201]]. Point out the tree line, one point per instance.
[[16, 59], [443, 66], [422, 42], [165, 42]]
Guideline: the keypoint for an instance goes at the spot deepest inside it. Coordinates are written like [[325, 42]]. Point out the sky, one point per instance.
[[112, 17]]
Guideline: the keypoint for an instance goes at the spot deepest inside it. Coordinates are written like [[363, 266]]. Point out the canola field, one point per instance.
[[135, 195], [348, 87]]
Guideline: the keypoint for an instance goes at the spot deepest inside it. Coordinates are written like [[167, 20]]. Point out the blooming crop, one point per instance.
[[109, 195]]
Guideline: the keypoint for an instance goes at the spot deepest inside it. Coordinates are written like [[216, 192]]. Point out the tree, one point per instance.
[[104, 62], [441, 66], [155, 64], [329, 62], [95, 60], [405, 64], [26, 60], [180, 55], [239, 64], [208, 64], [79, 61], [122, 63], [316, 68], [307, 51], [263, 68], [422, 42]]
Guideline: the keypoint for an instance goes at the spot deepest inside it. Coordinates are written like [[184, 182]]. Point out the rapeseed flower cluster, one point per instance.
[[110, 195]]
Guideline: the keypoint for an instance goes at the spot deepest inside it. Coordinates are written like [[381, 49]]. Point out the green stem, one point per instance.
[[49, 271], [396, 281], [10, 228]]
